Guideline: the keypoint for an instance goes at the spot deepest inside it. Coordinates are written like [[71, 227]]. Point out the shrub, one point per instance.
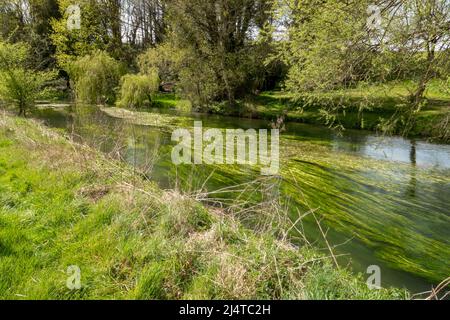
[[95, 77], [19, 84], [137, 89]]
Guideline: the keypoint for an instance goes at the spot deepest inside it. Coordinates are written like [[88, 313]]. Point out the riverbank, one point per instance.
[[64, 204], [380, 104]]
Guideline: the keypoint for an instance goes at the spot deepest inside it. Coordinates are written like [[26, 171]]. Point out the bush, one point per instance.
[[136, 89], [19, 84], [95, 77]]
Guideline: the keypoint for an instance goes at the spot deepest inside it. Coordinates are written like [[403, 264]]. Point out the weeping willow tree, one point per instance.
[[137, 89], [19, 84], [95, 78]]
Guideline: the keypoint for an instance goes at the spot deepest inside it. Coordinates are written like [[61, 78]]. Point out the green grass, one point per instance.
[[380, 103], [171, 101], [166, 100], [63, 204]]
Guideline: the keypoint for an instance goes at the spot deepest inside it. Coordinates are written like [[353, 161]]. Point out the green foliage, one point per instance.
[[95, 77], [98, 31], [29, 22], [219, 61], [172, 101], [136, 90], [199, 83], [13, 55], [20, 85], [316, 63], [184, 106], [164, 58], [195, 80], [216, 52], [331, 47]]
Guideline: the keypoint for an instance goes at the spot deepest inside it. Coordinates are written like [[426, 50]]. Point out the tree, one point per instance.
[[137, 89], [328, 45], [95, 77], [29, 21], [19, 84], [95, 32], [143, 22], [122, 28], [165, 58], [14, 17], [331, 45], [219, 39], [421, 29]]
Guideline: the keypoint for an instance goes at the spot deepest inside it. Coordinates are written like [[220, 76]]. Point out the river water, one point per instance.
[[381, 201]]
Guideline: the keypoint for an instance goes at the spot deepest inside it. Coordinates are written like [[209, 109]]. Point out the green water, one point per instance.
[[383, 201]]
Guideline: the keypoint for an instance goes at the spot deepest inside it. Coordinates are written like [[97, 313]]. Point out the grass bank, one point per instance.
[[64, 204]]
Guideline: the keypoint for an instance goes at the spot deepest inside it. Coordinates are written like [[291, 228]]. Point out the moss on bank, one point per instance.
[[64, 204]]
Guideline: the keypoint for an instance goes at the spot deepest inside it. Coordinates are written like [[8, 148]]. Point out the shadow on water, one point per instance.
[[383, 200]]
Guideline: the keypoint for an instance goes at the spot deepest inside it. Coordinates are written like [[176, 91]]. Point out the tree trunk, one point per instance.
[[418, 96]]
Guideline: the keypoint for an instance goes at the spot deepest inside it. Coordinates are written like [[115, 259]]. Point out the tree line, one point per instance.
[[221, 51]]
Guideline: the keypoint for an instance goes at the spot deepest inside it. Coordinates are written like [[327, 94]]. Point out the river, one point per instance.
[[382, 201]]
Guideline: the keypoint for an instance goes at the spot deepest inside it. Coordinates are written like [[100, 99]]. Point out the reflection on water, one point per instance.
[[396, 149], [384, 199], [413, 180]]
